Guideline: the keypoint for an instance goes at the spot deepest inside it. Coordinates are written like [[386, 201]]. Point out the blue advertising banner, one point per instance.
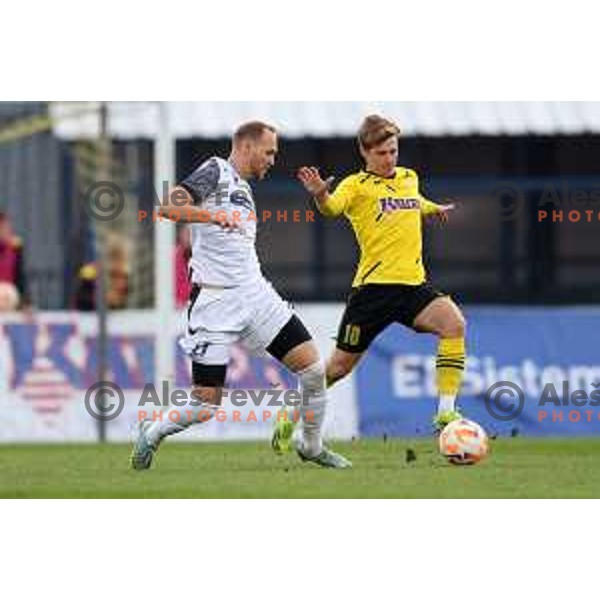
[[529, 371], [49, 371]]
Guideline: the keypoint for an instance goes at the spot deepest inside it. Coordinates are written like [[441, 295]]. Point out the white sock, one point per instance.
[[178, 418], [446, 403], [314, 391]]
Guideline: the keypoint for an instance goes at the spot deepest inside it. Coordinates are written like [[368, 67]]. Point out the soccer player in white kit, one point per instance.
[[231, 300]]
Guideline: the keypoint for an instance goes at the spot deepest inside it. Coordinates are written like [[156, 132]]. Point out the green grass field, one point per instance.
[[517, 468]]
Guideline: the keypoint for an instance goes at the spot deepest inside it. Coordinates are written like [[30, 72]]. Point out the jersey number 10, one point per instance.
[[352, 335]]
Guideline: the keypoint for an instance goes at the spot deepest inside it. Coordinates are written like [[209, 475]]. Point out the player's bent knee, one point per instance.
[[301, 357], [208, 395], [294, 345]]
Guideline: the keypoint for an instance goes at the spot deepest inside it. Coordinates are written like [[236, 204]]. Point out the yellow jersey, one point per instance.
[[386, 214]]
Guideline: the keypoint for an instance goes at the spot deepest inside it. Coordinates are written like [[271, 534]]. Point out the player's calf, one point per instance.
[[312, 413], [443, 318], [312, 409]]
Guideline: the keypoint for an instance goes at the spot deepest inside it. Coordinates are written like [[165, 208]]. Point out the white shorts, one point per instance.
[[252, 314]]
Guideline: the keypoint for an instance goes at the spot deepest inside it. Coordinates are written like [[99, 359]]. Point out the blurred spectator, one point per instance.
[[12, 263], [183, 251], [85, 290], [117, 291], [9, 297]]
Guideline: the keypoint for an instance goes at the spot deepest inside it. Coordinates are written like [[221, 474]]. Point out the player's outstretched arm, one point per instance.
[[179, 207], [314, 184], [441, 212]]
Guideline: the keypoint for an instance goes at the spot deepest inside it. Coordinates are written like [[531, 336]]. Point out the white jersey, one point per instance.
[[221, 257], [233, 302]]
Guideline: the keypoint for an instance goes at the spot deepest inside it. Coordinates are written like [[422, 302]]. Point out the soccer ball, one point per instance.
[[463, 442]]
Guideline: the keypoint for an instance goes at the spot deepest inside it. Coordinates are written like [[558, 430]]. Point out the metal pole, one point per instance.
[[103, 174], [164, 246]]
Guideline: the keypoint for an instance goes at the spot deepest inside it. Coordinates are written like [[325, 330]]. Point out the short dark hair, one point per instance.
[[252, 130], [376, 130]]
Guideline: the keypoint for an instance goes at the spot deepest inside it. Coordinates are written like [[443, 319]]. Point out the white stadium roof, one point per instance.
[[330, 118]]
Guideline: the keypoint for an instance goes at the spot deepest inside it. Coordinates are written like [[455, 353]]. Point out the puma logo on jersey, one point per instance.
[[388, 205]]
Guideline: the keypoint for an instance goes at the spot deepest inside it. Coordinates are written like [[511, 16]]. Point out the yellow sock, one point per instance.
[[450, 366]]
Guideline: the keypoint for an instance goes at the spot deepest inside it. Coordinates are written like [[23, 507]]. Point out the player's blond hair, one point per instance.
[[252, 130], [375, 130]]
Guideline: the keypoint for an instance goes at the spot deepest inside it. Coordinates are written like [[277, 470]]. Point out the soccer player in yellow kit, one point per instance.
[[385, 208]]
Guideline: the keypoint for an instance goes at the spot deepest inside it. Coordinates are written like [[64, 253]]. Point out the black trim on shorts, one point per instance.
[[209, 375], [194, 293], [292, 334], [373, 307]]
